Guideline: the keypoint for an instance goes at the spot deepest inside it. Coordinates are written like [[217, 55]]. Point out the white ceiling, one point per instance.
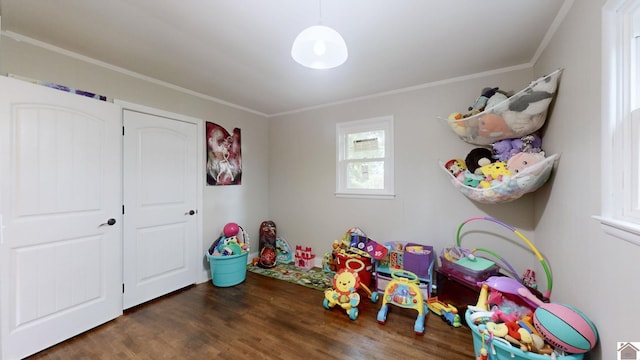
[[238, 51]]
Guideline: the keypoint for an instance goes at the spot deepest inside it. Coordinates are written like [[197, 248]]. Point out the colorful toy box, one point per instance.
[[416, 258]]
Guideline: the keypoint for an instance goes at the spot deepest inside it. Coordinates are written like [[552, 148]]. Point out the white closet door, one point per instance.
[[161, 177], [60, 193]]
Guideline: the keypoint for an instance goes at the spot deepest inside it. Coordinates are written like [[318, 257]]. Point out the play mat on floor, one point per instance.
[[313, 278]]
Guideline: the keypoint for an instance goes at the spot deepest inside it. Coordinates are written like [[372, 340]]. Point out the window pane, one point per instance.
[[364, 158], [365, 175], [634, 76], [365, 145], [633, 167]]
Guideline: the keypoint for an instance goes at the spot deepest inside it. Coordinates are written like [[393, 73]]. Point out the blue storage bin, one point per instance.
[[228, 270], [499, 349]]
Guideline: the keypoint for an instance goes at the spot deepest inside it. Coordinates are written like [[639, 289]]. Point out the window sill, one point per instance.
[[366, 196], [624, 230]]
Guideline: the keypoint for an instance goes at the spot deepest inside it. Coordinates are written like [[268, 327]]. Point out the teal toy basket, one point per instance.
[[500, 349], [228, 270]]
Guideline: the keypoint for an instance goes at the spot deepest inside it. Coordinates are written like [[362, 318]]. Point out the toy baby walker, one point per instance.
[[403, 290], [346, 283]]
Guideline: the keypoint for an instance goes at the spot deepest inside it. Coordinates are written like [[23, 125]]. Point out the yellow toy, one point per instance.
[[346, 283], [495, 171], [483, 298], [458, 126], [447, 312], [404, 291]]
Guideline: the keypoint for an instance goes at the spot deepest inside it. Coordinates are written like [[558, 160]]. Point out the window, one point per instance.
[[364, 166], [621, 119]]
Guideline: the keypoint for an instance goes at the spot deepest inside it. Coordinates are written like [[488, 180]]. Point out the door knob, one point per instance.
[[109, 222], [190, 212]]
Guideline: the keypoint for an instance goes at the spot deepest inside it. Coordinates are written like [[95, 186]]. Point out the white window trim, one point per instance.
[[615, 220], [383, 122]]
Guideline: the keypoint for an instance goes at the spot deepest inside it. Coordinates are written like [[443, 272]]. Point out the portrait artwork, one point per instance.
[[224, 156]]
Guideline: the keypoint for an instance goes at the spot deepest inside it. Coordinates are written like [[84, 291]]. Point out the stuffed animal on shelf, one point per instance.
[[477, 158]]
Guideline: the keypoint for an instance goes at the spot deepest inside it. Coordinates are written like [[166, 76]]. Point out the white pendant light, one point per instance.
[[319, 47]]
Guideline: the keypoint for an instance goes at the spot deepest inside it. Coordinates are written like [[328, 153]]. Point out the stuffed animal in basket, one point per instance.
[[504, 149], [534, 100], [520, 161], [497, 103], [456, 167], [476, 158], [493, 126], [457, 123], [481, 101], [527, 111]]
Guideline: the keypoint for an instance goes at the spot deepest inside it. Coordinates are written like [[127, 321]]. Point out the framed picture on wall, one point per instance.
[[224, 155]]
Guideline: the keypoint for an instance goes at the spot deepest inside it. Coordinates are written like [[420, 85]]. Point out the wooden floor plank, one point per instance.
[[262, 318]]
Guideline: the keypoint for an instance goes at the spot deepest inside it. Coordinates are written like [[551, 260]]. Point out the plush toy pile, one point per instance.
[[504, 172], [494, 116], [233, 241], [513, 321], [510, 161]]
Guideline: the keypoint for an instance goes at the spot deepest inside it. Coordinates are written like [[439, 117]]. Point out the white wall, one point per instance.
[[289, 165], [591, 271], [427, 208], [594, 272], [246, 204]]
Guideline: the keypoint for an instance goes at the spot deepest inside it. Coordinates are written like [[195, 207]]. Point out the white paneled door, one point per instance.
[[161, 237], [60, 213]]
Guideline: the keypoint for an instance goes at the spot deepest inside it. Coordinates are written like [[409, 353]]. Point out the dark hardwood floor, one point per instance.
[[262, 318]]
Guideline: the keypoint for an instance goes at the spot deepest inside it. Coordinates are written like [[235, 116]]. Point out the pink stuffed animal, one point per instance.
[[523, 160]]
